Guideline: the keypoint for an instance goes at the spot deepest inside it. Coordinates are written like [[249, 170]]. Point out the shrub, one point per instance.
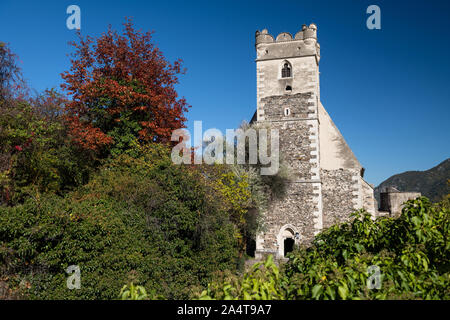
[[262, 282], [132, 292], [141, 220], [36, 154], [411, 252]]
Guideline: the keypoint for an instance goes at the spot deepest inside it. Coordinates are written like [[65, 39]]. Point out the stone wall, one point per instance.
[[300, 105], [299, 212], [392, 202], [369, 202], [294, 131], [339, 200], [296, 210]]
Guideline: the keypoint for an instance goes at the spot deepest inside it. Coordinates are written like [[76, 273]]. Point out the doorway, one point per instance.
[[288, 245]]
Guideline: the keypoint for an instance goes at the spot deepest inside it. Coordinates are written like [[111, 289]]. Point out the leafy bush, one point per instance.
[[36, 154], [141, 220], [133, 292], [412, 253], [262, 282]]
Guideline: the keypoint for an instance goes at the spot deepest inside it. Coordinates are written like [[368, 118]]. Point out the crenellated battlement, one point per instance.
[[303, 43], [306, 33]]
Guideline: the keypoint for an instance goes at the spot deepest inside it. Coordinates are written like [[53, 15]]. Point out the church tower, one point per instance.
[[326, 182]]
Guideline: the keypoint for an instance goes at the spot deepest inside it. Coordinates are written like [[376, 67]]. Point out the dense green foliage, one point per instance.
[[36, 154], [139, 219], [262, 282], [132, 292], [412, 253]]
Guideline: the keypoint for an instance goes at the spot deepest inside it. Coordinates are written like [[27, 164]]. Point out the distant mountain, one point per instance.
[[431, 183]]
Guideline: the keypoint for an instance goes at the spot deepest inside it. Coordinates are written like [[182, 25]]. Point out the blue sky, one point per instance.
[[387, 90]]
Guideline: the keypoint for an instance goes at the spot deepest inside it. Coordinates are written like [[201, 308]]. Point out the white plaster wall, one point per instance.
[[305, 77], [334, 151]]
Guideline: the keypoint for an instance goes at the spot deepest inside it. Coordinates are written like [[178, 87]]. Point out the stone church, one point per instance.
[[326, 181]]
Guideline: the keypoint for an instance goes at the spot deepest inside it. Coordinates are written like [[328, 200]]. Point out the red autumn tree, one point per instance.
[[122, 91]]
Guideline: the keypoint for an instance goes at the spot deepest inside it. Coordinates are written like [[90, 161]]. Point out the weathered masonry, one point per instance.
[[326, 181], [392, 200]]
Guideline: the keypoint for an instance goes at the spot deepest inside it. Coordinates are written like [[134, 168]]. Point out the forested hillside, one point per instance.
[[432, 183]]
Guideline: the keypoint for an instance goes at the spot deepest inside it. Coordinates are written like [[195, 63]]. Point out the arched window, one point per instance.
[[286, 71]]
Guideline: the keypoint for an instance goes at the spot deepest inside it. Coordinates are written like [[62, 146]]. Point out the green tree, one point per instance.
[[142, 220], [38, 156]]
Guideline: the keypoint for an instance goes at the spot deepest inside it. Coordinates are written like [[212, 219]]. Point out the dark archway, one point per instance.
[[288, 245], [251, 247]]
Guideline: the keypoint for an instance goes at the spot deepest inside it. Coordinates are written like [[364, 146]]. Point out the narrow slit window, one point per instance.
[[287, 111]]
